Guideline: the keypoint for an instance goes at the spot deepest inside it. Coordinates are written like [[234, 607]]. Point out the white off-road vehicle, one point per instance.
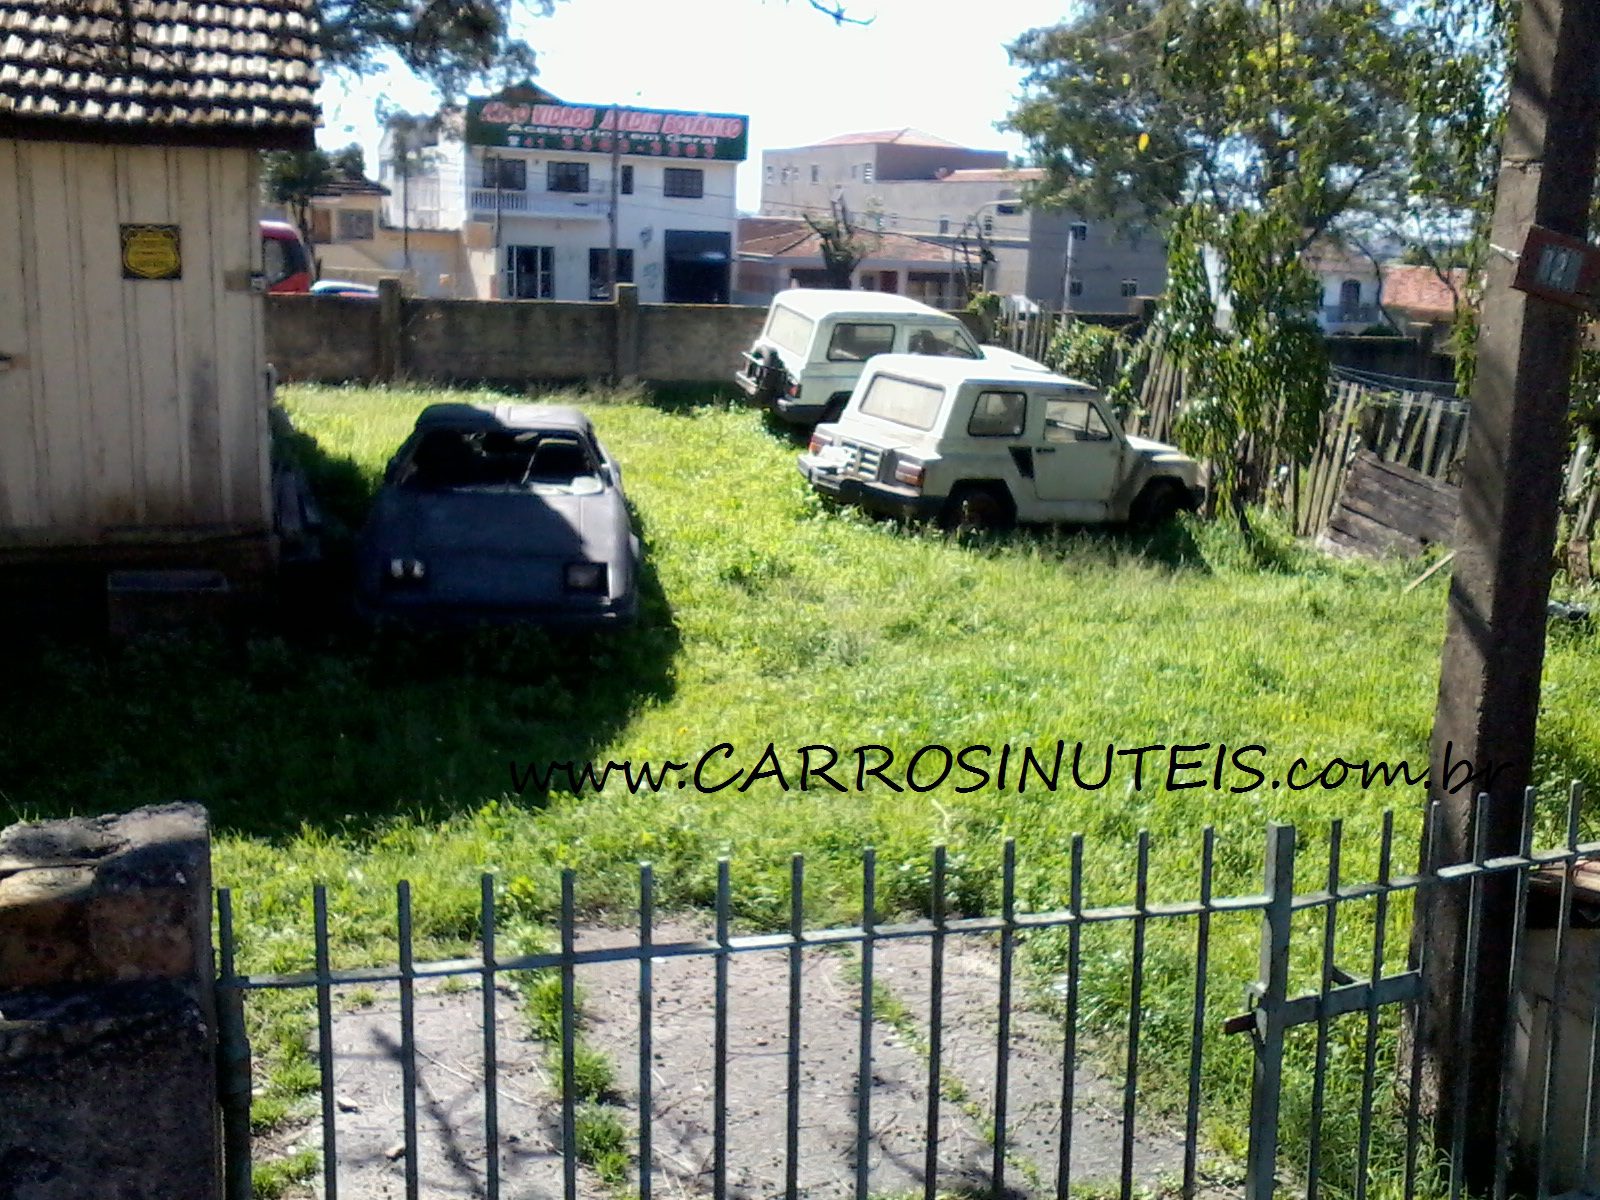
[[982, 444], [816, 340]]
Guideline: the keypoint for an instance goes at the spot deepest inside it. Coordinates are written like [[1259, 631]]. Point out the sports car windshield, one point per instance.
[[547, 463]]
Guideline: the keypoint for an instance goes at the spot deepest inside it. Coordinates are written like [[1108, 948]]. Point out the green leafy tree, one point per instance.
[[1137, 108], [350, 162], [292, 178], [1254, 393], [1250, 128]]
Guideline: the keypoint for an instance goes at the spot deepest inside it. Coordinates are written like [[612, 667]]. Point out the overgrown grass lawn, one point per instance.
[[359, 760]]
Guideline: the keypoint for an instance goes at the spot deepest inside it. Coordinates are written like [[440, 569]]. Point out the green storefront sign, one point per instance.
[[586, 127]]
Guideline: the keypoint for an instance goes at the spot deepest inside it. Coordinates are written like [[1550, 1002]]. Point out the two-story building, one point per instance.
[[909, 182], [544, 192]]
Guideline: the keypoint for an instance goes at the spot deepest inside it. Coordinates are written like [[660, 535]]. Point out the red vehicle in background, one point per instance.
[[287, 261]]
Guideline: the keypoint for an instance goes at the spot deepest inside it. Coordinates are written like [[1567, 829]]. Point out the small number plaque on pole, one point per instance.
[[1559, 268]]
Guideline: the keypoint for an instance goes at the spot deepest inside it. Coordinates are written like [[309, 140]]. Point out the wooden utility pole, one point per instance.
[[1505, 538]]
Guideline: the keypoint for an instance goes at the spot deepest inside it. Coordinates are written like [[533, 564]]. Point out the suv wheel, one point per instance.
[[979, 507], [773, 378], [1161, 500]]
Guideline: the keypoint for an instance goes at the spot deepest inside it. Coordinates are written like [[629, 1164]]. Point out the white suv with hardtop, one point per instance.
[[809, 355], [978, 443]]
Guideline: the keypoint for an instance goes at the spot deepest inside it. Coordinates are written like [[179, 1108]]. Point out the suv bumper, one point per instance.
[[876, 497], [796, 413]]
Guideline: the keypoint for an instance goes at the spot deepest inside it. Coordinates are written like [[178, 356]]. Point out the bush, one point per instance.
[[1092, 353]]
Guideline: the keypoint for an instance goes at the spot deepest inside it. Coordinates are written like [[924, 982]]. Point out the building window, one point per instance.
[[988, 224], [772, 172], [1076, 288], [1130, 287], [816, 173], [597, 271], [321, 226], [866, 172], [507, 174], [684, 183], [567, 177], [853, 170], [1079, 231], [355, 226], [627, 180], [530, 272], [944, 224]]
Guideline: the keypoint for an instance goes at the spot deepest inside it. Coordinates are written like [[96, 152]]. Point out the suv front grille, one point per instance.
[[863, 461]]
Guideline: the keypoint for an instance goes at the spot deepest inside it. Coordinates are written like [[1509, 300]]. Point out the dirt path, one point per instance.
[[450, 1080]]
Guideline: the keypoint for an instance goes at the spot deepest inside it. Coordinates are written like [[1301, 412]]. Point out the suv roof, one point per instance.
[[956, 371], [821, 302]]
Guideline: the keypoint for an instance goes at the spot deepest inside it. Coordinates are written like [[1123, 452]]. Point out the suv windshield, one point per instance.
[[903, 402], [789, 331]]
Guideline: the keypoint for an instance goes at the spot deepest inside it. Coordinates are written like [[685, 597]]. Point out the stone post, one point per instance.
[[625, 348], [107, 1038], [391, 341]]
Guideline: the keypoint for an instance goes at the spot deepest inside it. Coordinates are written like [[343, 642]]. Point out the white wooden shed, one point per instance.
[[133, 395]]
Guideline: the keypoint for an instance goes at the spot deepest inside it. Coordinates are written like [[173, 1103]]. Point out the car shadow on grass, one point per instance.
[[307, 718]]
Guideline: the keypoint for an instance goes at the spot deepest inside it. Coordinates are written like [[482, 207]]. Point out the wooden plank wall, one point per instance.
[[1387, 508], [130, 404]]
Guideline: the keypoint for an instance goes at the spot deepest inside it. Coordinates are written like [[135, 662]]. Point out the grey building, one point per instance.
[[915, 184]]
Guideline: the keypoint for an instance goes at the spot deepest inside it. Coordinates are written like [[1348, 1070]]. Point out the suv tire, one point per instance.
[[1158, 503], [835, 409], [773, 377], [979, 506]]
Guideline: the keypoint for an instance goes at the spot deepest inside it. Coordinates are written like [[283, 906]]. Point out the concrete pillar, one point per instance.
[[107, 1060], [625, 347], [391, 346]]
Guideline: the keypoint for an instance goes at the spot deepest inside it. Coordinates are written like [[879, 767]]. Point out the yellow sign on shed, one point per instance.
[[151, 252]]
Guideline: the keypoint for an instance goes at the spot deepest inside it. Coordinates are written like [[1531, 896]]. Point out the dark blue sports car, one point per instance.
[[513, 513]]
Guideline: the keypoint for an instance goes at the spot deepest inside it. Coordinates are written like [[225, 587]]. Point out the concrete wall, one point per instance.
[[332, 339]]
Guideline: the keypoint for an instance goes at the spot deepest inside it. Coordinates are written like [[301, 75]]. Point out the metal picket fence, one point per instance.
[[1274, 1009]]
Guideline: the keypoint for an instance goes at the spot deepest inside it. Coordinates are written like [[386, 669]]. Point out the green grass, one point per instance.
[[357, 760]]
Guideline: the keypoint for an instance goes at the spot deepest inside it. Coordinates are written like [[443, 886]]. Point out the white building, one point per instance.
[[528, 180]]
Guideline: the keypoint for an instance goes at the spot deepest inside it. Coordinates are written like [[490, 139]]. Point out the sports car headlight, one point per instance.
[[586, 577]]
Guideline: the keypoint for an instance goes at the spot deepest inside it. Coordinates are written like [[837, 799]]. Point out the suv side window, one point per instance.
[[946, 342], [998, 414], [1073, 421], [855, 341]]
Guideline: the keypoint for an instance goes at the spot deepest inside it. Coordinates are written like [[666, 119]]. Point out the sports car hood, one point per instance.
[[500, 522]]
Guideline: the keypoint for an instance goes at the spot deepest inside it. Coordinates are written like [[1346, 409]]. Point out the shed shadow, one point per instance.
[[307, 718]]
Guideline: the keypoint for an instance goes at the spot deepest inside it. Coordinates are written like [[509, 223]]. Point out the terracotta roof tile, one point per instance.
[[233, 68], [1420, 291]]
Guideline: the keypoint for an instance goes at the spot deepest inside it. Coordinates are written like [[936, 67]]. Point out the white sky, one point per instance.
[[935, 64]]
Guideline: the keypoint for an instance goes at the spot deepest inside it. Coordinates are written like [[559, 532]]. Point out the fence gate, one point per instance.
[[907, 1063]]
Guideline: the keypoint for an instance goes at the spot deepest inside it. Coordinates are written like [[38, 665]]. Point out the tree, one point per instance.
[[292, 178], [349, 162], [844, 244], [1250, 128], [1139, 107]]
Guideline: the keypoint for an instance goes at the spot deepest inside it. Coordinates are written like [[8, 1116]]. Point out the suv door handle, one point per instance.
[[1044, 449]]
